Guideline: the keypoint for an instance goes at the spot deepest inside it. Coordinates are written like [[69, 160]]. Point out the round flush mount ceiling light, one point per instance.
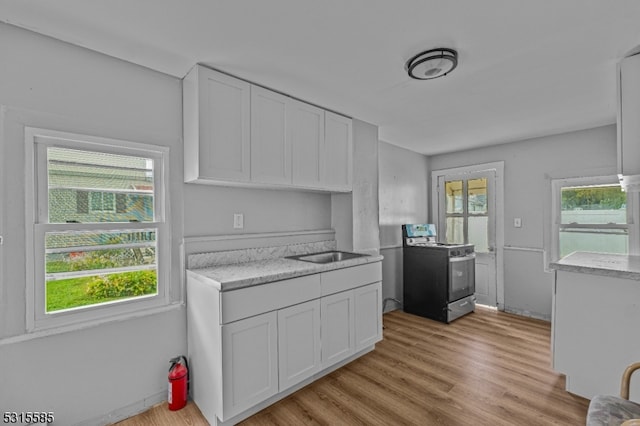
[[432, 63]]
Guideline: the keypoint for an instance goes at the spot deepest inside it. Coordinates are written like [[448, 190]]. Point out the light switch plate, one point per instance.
[[517, 222], [238, 221]]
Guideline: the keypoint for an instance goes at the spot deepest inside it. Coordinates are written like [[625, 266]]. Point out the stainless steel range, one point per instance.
[[439, 279]]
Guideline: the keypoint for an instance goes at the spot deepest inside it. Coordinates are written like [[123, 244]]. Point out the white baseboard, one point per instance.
[[126, 412], [528, 314]]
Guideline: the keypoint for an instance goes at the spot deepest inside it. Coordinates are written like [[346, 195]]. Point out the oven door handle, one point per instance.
[[462, 258]]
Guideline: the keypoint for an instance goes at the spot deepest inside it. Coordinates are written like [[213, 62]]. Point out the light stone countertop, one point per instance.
[[246, 274], [610, 265]]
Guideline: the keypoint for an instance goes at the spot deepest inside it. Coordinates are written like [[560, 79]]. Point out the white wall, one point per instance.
[[403, 199], [209, 210], [80, 374], [529, 167]]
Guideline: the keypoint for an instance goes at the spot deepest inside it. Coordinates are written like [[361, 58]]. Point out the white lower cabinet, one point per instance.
[[351, 321], [594, 330], [252, 346], [338, 333], [250, 359], [368, 315], [298, 343]]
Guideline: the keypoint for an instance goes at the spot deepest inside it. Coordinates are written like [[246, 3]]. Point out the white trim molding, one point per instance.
[[37, 142], [553, 223]]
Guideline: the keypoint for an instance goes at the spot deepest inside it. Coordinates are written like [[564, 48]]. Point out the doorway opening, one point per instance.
[[467, 206]]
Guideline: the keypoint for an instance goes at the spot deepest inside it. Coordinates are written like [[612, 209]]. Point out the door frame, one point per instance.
[[498, 168]]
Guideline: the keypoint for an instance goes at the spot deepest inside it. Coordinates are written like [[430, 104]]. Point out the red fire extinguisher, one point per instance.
[[178, 383]]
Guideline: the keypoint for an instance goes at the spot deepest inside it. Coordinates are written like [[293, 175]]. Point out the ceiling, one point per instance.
[[526, 68]]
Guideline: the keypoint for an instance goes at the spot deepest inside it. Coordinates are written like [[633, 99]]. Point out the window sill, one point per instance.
[[37, 334]]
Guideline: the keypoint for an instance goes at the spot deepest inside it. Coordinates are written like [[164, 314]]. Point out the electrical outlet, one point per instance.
[[238, 221], [517, 222]]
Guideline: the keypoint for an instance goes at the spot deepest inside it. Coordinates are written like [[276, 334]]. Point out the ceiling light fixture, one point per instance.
[[432, 64]]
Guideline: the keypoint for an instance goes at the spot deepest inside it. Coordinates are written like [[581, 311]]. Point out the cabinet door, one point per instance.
[[270, 146], [338, 340], [595, 331], [217, 143], [298, 343], [306, 130], [249, 363], [337, 165], [368, 314]]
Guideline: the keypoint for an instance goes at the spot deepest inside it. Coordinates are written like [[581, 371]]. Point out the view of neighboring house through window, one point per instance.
[[85, 267], [97, 226]]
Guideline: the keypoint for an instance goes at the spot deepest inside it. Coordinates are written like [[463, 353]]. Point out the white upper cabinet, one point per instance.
[[306, 132], [216, 127], [237, 133], [270, 145], [629, 116], [338, 152]]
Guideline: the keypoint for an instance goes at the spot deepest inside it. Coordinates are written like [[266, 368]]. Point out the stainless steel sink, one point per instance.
[[327, 257]]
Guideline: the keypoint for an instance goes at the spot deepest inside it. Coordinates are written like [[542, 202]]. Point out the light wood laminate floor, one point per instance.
[[487, 368]]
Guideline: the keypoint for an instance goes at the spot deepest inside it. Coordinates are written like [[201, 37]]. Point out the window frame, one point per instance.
[[36, 143], [466, 214], [556, 208]]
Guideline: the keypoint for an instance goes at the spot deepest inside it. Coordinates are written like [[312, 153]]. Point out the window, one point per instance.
[[467, 213], [99, 234], [591, 214]]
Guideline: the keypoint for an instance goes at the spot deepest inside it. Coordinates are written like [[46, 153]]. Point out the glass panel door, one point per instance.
[[467, 212], [454, 202], [478, 214], [466, 215]]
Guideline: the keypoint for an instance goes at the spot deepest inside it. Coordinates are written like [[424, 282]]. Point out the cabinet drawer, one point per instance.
[[348, 278], [250, 301]]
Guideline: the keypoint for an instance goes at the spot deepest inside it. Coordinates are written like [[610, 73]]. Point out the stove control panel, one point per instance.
[[420, 241]]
